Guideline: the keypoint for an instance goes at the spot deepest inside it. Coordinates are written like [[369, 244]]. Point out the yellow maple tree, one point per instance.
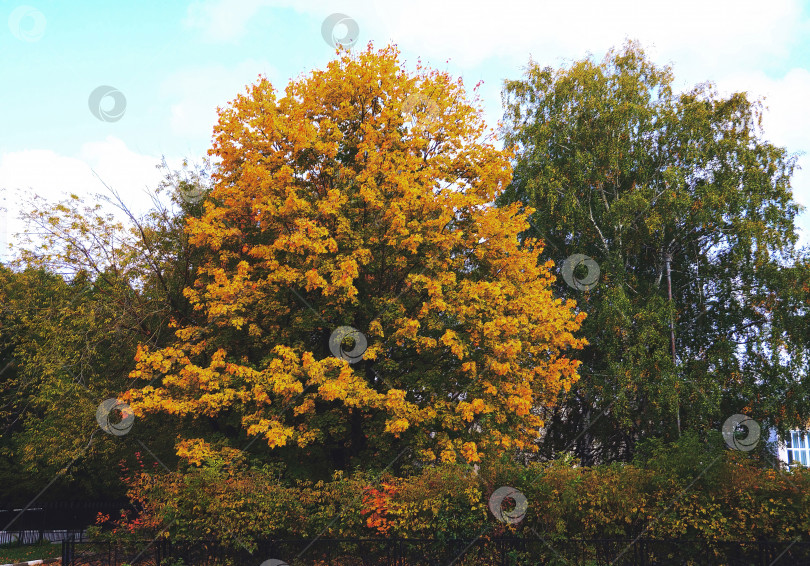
[[363, 199]]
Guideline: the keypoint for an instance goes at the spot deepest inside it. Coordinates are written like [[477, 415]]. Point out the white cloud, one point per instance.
[[127, 172], [736, 32], [53, 177], [221, 21], [786, 122], [707, 32], [195, 93]]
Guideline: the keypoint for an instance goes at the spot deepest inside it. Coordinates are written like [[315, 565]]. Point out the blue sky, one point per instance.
[[175, 62]]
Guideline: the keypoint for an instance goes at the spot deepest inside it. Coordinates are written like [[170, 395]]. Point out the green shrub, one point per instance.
[[690, 488]]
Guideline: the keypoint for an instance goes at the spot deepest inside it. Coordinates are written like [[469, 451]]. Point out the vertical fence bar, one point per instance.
[[67, 551]]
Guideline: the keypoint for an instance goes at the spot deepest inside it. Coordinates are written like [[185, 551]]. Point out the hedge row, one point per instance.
[[690, 490]]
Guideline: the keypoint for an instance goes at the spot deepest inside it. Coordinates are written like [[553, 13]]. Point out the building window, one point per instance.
[[798, 448]]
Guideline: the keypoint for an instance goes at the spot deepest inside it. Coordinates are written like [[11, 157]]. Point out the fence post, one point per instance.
[[67, 552], [163, 550]]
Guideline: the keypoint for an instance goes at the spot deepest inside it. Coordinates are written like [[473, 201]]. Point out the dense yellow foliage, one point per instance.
[[379, 218]]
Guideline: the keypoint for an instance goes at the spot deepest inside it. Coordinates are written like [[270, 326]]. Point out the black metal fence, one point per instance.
[[435, 552], [53, 521], [24, 538]]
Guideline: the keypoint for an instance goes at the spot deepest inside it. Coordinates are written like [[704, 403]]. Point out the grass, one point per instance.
[[10, 553]]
